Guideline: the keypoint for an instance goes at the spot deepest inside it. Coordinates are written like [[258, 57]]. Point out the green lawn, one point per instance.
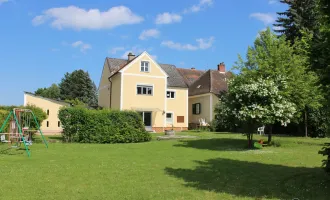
[[213, 166]]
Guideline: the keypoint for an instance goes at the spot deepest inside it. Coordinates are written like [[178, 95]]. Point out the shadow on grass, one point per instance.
[[256, 180], [216, 144], [8, 150]]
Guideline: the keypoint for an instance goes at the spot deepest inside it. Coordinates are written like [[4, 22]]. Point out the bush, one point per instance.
[[3, 116], [102, 126], [318, 122], [326, 152]]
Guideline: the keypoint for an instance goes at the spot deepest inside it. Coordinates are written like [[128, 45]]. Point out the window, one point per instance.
[[180, 119], [170, 94], [146, 90], [47, 112], [196, 108], [58, 124], [47, 123], [169, 118], [145, 66]]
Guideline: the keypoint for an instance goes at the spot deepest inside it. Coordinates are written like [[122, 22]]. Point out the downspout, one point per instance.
[[110, 90]]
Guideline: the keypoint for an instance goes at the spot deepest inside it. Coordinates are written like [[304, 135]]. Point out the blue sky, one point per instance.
[[42, 40]]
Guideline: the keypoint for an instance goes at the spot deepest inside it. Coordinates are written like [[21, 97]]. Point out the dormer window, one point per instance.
[[145, 66]]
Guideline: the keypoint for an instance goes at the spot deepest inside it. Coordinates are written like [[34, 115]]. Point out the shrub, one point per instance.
[[326, 152], [102, 126], [3, 116]]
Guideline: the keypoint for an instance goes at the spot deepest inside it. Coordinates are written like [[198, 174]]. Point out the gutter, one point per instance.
[[110, 93]]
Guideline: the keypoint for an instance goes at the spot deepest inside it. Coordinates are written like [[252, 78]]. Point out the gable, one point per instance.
[[104, 76], [134, 67], [202, 85]]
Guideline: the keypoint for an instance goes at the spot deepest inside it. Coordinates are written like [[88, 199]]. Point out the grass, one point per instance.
[[213, 166]]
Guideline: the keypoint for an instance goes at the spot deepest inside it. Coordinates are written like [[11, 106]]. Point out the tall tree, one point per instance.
[[301, 15], [78, 85], [256, 102], [52, 92], [273, 56]]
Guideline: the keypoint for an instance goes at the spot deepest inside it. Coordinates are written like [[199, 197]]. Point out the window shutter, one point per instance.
[[194, 108], [200, 109]]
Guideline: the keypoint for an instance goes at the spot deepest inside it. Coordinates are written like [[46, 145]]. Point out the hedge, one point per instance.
[[102, 126]]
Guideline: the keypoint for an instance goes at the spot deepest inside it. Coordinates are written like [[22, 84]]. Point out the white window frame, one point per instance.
[[143, 67], [170, 91], [172, 122], [142, 85]]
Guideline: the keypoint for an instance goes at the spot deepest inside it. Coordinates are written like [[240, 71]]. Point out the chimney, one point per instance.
[[222, 67], [193, 68], [130, 56]]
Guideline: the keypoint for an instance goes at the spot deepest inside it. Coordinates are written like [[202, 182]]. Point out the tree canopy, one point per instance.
[[52, 92], [78, 85], [300, 15], [272, 56]]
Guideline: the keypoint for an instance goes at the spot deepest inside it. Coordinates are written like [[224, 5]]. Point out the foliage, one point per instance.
[[254, 103], [318, 122], [320, 54], [76, 102], [326, 152], [53, 92], [78, 85], [300, 15], [3, 116], [102, 126], [224, 118], [273, 57], [38, 112]]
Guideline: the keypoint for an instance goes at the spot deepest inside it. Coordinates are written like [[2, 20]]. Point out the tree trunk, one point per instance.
[[270, 132], [306, 131], [250, 137]]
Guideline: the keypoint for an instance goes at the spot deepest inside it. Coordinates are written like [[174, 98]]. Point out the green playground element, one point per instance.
[[20, 120], [257, 145]]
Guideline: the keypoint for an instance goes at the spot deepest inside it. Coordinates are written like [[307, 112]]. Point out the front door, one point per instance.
[[146, 116]]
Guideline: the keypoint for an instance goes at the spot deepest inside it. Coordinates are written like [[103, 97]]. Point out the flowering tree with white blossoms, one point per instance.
[[258, 102]]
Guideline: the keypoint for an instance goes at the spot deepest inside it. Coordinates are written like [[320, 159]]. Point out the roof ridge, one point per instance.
[[193, 69], [51, 99], [200, 76]]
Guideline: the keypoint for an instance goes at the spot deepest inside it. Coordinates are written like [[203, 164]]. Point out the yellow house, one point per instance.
[[157, 91], [52, 124], [204, 90]]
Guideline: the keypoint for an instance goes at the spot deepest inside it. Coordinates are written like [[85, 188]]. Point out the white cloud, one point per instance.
[[150, 33], [168, 18], [182, 63], [277, 28], [179, 46], [201, 5], [116, 49], [272, 1], [78, 18], [81, 45], [202, 44], [205, 43], [3, 1], [266, 18], [154, 57]]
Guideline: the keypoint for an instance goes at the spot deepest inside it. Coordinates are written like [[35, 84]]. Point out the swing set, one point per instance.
[[19, 129]]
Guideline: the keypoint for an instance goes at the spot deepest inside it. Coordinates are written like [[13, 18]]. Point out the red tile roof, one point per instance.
[[190, 75]]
